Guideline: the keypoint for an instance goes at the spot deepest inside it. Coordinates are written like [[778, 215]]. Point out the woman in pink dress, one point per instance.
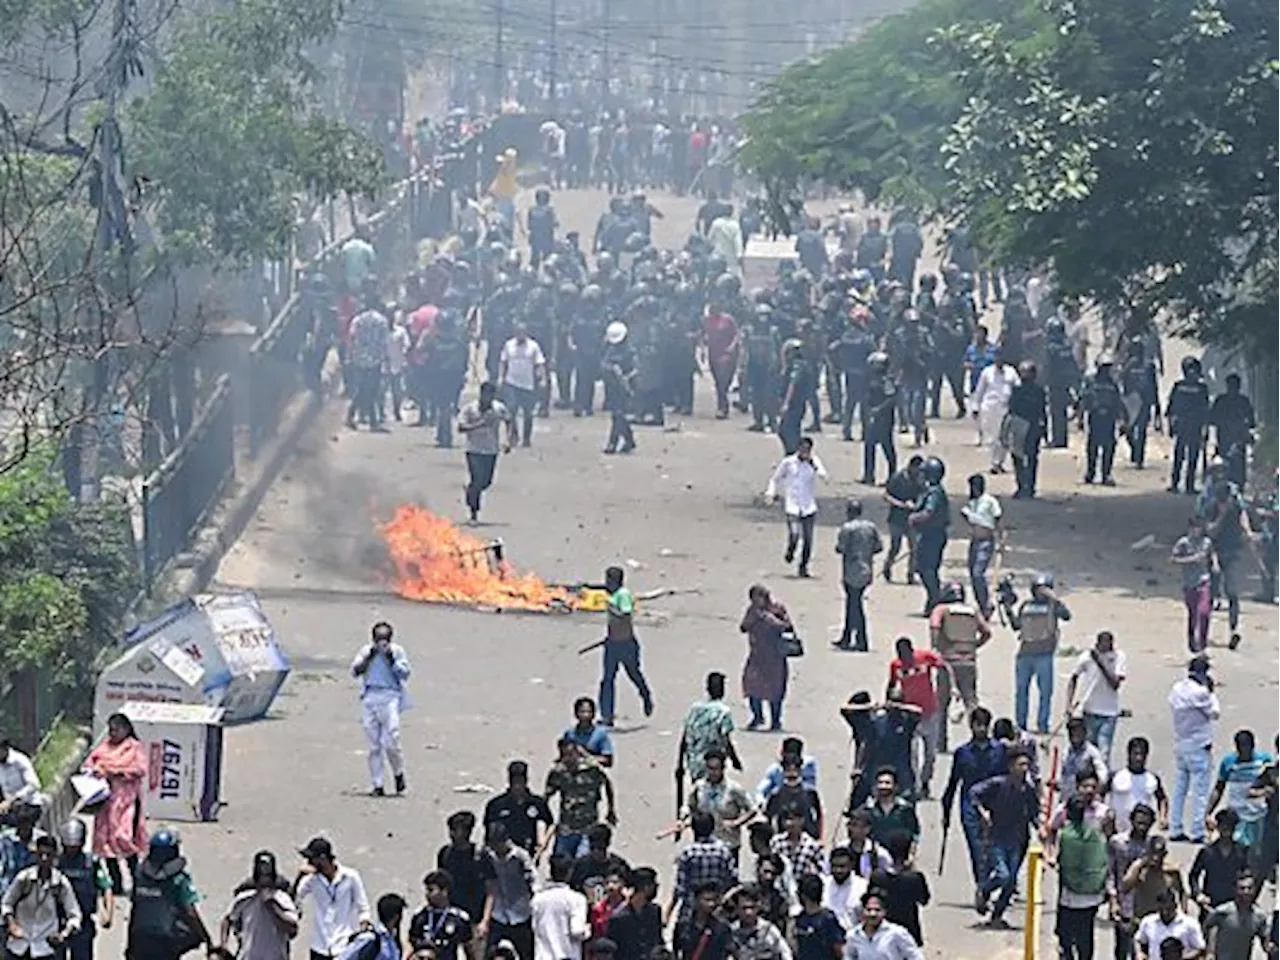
[[764, 675], [118, 830]]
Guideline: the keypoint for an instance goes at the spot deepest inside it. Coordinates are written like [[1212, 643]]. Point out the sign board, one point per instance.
[[183, 743], [214, 649]]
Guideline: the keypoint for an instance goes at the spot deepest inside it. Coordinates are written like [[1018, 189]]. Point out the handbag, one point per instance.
[[792, 645]]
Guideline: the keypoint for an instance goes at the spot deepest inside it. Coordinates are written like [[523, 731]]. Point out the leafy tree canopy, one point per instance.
[[231, 133], [873, 114], [1137, 154]]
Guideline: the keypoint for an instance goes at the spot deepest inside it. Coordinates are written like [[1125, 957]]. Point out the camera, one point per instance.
[[1007, 595]]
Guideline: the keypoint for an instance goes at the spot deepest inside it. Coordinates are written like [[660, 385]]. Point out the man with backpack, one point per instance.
[[382, 941], [1082, 881], [164, 923], [39, 908]]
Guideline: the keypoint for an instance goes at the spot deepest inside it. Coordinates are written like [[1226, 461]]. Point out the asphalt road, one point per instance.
[[684, 511]]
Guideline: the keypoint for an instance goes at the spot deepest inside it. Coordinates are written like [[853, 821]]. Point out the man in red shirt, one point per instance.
[[911, 673], [720, 331]]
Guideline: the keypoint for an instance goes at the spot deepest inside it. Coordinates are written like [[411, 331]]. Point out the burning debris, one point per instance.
[[436, 562]]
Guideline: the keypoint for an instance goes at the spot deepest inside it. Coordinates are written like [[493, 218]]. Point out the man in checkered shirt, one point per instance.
[[802, 851], [707, 860]]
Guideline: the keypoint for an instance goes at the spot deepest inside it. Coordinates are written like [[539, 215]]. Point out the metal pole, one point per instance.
[[555, 56], [499, 65]]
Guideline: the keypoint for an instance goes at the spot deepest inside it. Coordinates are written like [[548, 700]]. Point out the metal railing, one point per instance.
[[180, 494]]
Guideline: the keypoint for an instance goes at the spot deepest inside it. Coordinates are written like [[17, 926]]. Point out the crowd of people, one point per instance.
[[851, 335]]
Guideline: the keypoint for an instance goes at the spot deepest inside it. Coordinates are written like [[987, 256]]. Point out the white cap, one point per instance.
[[616, 332]]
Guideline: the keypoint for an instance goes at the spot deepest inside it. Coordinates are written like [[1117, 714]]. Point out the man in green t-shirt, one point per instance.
[[621, 648]]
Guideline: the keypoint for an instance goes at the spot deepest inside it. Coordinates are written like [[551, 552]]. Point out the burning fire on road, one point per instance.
[[435, 562]]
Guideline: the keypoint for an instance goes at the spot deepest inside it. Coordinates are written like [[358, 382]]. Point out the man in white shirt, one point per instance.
[[986, 536], [1168, 923], [725, 238], [398, 344], [990, 402], [797, 476], [1194, 707], [521, 369], [842, 889], [39, 908], [559, 916], [1099, 672], [20, 796], [382, 667], [337, 897]]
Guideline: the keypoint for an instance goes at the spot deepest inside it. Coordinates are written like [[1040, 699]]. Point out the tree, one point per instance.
[[1136, 153], [873, 114], [68, 573], [231, 134]]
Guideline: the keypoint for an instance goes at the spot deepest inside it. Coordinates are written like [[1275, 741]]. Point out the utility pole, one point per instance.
[[553, 66], [499, 63], [606, 58]]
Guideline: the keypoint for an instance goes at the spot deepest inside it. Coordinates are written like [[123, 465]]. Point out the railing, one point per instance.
[[179, 495]]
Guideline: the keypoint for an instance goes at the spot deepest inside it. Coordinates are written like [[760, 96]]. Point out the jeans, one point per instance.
[[800, 532], [927, 732], [1075, 932], [855, 619], [571, 845], [980, 554], [971, 823], [1193, 769], [522, 402], [1039, 666], [1199, 603], [624, 654], [366, 396], [913, 406], [877, 438], [756, 706], [1005, 860], [855, 396], [480, 467], [1101, 732], [899, 532]]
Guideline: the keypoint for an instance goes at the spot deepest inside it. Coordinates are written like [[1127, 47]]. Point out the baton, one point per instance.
[[942, 851], [591, 646]]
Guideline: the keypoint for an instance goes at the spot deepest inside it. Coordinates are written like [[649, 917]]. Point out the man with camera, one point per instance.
[[1037, 622], [382, 668]]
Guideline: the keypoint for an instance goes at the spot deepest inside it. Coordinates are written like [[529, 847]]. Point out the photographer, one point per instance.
[[1036, 621], [382, 667]]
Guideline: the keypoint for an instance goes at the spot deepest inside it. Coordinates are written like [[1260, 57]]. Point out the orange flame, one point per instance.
[[437, 563]]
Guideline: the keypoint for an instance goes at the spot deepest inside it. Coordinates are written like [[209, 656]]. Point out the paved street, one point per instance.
[[684, 511]]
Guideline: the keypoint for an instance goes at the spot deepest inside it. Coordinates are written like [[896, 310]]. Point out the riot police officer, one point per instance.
[[1063, 378], [878, 418], [762, 370], [930, 521], [1139, 384], [1188, 414], [850, 354], [1103, 409]]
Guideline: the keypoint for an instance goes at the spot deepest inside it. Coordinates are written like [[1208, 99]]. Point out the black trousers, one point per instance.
[[855, 619], [520, 935], [1075, 932], [1100, 445], [480, 468], [1186, 452]]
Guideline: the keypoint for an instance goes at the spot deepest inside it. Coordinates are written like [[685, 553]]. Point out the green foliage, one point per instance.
[[230, 134], [873, 114], [67, 573], [1136, 153]]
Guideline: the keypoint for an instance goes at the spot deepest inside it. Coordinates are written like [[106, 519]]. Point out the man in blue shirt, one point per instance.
[[772, 782], [980, 759], [382, 667], [592, 737], [1009, 806]]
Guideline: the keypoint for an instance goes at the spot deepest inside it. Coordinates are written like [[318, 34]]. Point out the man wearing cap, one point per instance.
[[1194, 707], [382, 668], [337, 897], [263, 917], [618, 369], [857, 543]]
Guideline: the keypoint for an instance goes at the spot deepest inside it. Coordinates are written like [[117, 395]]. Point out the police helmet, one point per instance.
[[933, 470], [1042, 579], [1190, 367], [953, 592], [616, 332], [164, 846], [542, 196], [764, 311], [1054, 327], [878, 361], [72, 833]]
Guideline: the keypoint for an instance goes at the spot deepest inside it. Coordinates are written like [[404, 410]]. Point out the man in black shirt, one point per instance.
[[1029, 402], [901, 493], [704, 935], [1213, 873], [466, 865], [636, 926], [440, 926], [520, 810], [589, 871]]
